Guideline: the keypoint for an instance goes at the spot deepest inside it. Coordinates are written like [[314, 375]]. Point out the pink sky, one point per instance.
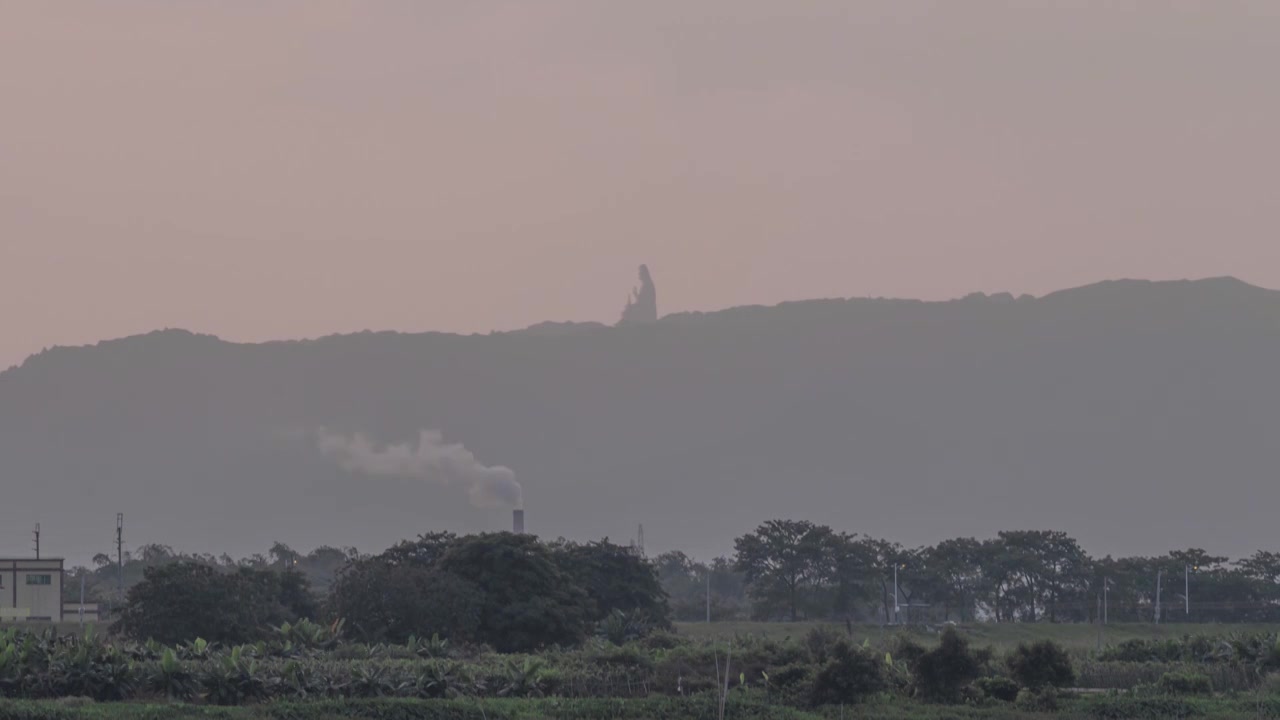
[[289, 169]]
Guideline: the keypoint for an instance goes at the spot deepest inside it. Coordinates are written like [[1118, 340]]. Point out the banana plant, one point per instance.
[[172, 677], [434, 647], [441, 680], [198, 649], [524, 679]]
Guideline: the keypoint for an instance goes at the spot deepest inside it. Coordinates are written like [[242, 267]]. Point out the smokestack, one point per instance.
[[517, 522]]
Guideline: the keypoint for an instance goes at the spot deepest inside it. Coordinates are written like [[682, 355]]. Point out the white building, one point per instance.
[[31, 590]]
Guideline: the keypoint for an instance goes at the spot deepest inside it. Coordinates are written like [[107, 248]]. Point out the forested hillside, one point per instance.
[[1136, 416]]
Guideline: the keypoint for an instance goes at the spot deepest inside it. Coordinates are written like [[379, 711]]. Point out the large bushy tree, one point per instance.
[[182, 601], [383, 602], [784, 562], [526, 600], [616, 578]]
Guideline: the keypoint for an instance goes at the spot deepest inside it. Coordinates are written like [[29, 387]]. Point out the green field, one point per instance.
[[700, 708], [1078, 638], [780, 671]]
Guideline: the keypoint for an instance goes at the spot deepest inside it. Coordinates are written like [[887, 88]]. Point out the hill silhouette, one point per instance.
[[1136, 415]]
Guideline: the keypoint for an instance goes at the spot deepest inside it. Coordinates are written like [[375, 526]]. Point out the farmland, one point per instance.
[[1079, 638], [308, 671]]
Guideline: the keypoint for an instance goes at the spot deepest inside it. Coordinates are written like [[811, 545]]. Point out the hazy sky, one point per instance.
[[285, 169]]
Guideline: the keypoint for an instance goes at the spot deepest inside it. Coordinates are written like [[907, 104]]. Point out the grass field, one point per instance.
[[695, 708], [658, 678], [1078, 638]]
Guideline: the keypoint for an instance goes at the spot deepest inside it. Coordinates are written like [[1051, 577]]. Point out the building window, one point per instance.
[[39, 579]]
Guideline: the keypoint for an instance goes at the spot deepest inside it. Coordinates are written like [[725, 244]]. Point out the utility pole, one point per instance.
[[708, 595], [1100, 622], [895, 593], [36, 535], [1106, 582], [1159, 577], [120, 554], [82, 598], [1186, 587]]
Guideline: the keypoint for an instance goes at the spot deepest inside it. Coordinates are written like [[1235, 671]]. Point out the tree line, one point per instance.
[[509, 592], [516, 592], [790, 570]]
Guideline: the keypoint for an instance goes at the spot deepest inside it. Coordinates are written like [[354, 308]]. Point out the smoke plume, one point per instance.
[[432, 459]]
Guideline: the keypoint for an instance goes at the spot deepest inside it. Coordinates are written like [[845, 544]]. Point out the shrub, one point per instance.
[[943, 672], [1149, 708], [998, 688], [661, 641], [1043, 700], [1269, 684], [820, 641], [906, 650], [621, 627], [789, 676], [1185, 683], [1041, 664], [848, 677]]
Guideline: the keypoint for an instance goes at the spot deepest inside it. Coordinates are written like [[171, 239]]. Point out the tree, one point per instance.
[[382, 602], [1262, 566], [526, 601], [426, 551], [883, 557], [941, 673], [1033, 570], [848, 677], [616, 578], [955, 575], [685, 583], [1041, 664], [782, 561], [853, 570], [184, 600]]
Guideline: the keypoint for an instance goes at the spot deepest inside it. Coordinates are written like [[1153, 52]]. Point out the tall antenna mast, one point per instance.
[[640, 540], [120, 553], [36, 535]]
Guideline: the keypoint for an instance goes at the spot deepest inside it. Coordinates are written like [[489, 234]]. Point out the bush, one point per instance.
[[998, 688], [1129, 708], [1041, 664], [661, 641], [820, 641], [1043, 700], [1185, 683], [622, 627], [943, 672], [789, 677], [850, 676], [1270, 684], [906, 650]]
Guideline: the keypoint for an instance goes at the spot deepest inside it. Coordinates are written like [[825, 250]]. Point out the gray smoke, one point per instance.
[[432, 459]]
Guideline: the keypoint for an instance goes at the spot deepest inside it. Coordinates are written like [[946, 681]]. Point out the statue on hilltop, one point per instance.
[[642, 306]]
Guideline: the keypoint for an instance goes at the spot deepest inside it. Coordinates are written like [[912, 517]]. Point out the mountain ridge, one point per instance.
[[553, 327], [1107, 410]]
